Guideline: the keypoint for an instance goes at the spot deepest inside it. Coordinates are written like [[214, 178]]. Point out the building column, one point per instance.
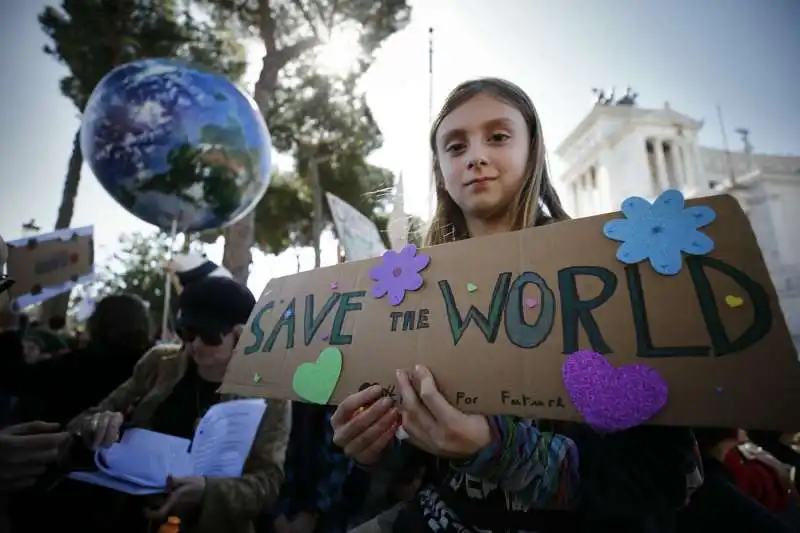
[[677, 165], [661, 164], [583, 204], [698, 170], [688, 173]]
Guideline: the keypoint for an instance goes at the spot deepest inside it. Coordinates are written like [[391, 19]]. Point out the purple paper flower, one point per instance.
[[398, 273]]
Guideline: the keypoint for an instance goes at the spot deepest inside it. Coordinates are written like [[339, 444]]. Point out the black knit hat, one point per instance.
[[214, 304]]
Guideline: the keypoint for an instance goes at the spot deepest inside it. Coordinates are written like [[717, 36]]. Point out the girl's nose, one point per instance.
[[478, 162]]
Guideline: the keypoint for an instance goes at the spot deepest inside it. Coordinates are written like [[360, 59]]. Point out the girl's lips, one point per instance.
[[478, 181]]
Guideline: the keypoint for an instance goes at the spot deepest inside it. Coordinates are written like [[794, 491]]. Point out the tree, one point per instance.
[[326, 125], [290, 30], [90, 38], [138, 268]]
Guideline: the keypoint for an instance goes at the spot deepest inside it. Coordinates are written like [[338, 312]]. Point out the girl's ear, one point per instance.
[[237, 332]]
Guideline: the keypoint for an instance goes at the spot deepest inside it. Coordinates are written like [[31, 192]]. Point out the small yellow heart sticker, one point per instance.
[[734, 301]]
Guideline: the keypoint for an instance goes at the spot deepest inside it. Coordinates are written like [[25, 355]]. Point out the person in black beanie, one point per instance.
[[170, 390]]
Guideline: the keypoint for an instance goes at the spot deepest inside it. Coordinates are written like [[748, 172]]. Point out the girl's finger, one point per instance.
[[374, 450], [414, 411], [429, 393], [366, 441], [344, 435], [407, 392], [347, 409]]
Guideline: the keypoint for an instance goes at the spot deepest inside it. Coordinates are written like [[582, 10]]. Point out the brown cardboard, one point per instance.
[[755, 386], [41, 262]]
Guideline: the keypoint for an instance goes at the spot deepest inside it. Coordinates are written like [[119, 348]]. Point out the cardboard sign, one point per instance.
[[50, 264], [498, 320], [359, 236]]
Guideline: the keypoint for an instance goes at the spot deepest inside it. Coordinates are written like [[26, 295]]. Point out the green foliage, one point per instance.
[[91, 37], [320, 120], [138, 268], [295, 26]]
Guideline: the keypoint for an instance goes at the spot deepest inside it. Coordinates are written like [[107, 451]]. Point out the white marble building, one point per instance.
[[619, 151]]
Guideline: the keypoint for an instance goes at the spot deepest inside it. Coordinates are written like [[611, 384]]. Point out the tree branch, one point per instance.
[[307, 17], [267, 27], [332, 15], [297, 49]]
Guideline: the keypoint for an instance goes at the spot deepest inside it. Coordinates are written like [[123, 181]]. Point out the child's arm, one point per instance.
[[540, 467], [643, 470]]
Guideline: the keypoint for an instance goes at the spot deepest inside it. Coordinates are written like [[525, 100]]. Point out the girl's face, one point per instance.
[[482, 148]]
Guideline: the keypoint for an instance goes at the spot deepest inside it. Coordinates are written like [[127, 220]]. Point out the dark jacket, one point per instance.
[[720, 506], [317, 472]]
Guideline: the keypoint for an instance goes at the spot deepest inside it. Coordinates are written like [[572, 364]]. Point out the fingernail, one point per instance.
[[375, 388], [418, 368], [386, 401], [399, 373]]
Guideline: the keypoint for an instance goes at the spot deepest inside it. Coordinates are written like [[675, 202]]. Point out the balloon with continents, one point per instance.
[[171, 142]]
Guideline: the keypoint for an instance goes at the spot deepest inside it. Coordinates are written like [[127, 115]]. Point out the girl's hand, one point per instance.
[[433, 424], [364, 424]]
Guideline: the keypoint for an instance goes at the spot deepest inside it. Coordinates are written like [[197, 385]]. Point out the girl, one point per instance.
[[501, 473]]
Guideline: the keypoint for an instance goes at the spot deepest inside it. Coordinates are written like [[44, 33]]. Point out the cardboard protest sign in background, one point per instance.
[[559, 322], [359, 236], [49, 264]]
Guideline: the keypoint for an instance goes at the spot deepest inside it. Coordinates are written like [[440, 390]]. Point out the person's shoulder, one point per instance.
[[160, 355]]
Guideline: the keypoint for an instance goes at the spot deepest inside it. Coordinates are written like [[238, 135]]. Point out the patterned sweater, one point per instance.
[[534, 481]]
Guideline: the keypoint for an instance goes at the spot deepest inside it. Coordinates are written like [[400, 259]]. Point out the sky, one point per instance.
[[739, 54]]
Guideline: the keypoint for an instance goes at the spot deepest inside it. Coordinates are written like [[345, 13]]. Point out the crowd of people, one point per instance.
[[332, 469]]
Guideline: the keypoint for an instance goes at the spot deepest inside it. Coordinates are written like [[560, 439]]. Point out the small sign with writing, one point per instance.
[[49, 264], [359, 236]]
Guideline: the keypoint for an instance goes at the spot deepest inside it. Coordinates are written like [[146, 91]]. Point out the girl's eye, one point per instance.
[[499, 137], [454, 147]]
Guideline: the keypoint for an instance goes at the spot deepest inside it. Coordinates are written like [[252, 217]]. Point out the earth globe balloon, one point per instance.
[[176, 145]]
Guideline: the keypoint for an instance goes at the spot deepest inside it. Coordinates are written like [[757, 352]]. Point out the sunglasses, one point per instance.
[[209, 338]]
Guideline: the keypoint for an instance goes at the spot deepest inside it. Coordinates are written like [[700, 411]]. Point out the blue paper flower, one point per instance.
[[660, 231]]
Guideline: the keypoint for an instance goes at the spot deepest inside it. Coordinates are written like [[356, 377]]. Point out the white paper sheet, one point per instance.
[[223, 439], [141, 462]]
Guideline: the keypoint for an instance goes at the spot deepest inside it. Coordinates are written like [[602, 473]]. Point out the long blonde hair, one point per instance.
[[537, 191]]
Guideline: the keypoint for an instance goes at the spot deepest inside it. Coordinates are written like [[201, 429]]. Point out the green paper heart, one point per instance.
[[471, 287], [315, 382]]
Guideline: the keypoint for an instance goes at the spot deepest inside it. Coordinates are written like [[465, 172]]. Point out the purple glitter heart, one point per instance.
[[613, 399]]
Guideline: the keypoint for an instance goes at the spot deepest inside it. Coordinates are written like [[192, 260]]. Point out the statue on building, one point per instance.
[[601, 98], [629, 99], [744, 134]]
